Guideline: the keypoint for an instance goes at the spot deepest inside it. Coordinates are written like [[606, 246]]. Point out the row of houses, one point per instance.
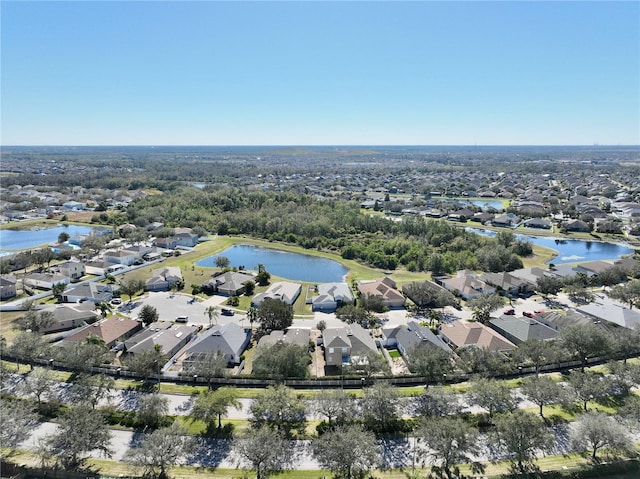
[[469, 285]]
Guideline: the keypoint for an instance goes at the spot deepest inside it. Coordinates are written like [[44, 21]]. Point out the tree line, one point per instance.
[[347, 439]]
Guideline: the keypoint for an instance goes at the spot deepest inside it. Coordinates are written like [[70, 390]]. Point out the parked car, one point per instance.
[[182, 319], [509, 311], [529, 314], [116, 301], [227, 312]]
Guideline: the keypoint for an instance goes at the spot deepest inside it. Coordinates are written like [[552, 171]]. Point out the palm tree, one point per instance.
[[212, 312], [104, 308], [252, 315]]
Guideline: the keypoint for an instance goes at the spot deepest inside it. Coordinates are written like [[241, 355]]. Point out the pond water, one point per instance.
[[294, 266], [572, 251], [23, 239]]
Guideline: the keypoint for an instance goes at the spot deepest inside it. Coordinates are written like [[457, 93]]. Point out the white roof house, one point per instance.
[[332, 295], [282, 290]]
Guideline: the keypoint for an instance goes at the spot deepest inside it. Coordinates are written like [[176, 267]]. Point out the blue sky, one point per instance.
[[316, 73]]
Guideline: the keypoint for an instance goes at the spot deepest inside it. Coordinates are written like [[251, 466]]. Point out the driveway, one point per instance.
[[171, 305]]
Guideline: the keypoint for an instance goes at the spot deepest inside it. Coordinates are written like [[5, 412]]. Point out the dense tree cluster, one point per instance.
[[338, 226]]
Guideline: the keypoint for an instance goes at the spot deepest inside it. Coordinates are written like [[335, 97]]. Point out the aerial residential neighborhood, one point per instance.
[[347, 240]]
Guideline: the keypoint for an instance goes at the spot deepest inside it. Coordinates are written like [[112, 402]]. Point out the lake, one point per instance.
[[23, 239], [572, 251], [293, 266]]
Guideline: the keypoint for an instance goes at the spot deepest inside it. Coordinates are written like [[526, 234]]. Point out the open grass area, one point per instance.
[[7, 329]]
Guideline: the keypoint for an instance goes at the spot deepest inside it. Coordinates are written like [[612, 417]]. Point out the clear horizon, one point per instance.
[[320, 73]]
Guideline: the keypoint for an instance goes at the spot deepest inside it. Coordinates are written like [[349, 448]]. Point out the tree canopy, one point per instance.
[[273, 314]]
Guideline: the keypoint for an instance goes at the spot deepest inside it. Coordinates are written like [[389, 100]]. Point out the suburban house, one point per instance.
[[282, 290], [385, 289], [163, 278], [506, 221], [578, 226], [139, 251], [297, 336], [539, 223], [45, 280], [165, 243], [342, 344], [126, 258], [93, 292], [100, 268], [593, 268], [605, 310], [69, 316], [170, 338], [483, 217], [8, 286], [231, 283], [405, 338], [508, 283], [111, 330], [467, 285], [560, 320], [229, 339], [460, 334], [519, 329], [72, 269], [188, 239], [331, 296], [72, 206]]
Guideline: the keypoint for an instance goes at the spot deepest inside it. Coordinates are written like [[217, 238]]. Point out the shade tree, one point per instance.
[[348, 451], [273, 314], [148, 314], [81, 356], [146, 363], [381, 406], [280, 408], [585, 341], [210, 406], [522, 435], [536, 352], [90, 389], [131, 287], [449, 442], [40, 383], [36, 321], [492, 395], [336, 405], [265, 451], [594, 430], [437, 402], [627, 293], [152, 410], [586, 386], [80, 431], [542, 390], [18, 422], [156, 452], [483, 361], [29, 346], [431, 362], [281, 361]]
